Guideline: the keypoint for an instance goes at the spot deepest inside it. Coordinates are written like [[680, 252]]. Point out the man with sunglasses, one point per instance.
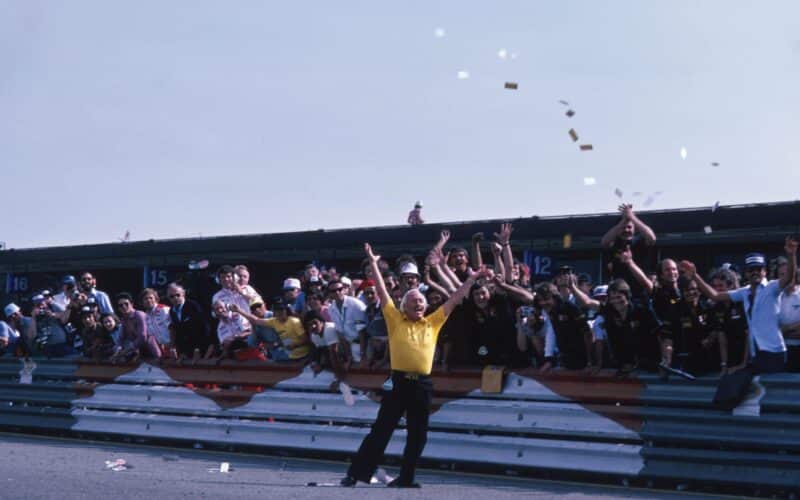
[[135, 339], [88, 285], [761, 301], [349, 315]]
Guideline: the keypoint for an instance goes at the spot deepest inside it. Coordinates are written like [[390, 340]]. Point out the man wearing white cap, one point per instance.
[[349, 316], [10, 329], [761, 301], [409, 276], [294, 296]]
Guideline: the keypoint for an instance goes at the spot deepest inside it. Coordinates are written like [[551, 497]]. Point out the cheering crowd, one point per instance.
[[643, 318]]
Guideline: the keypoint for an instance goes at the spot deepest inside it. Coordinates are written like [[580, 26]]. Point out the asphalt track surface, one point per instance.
[[44, 467]]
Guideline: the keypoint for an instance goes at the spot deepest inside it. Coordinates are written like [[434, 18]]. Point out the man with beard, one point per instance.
[[761, 301]]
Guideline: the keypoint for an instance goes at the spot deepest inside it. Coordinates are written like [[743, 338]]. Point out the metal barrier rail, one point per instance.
[[636, 429]]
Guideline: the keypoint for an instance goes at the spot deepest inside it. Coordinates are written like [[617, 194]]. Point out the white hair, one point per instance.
[[405, 298]]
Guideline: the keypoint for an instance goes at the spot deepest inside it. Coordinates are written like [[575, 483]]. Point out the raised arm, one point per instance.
[[608, 239], [249, 316], [448, 273], [647, 233], [627, 259], [518, 293], [689, 270], [383, 294], [476, 259], [428, 280], [497, 255], [791, 255], [459, 295], [581, 297], [504, 238]]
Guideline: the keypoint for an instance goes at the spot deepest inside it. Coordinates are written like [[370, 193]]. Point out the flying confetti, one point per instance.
[[573, 134], [618, 192], [586, 147], [589, 181], [707, 230], [438, 32], [511, 85], [502, 54], [683, 153], [570, 113], [463, 75]]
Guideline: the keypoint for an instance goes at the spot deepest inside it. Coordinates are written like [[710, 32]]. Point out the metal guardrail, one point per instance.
[[638, 429]]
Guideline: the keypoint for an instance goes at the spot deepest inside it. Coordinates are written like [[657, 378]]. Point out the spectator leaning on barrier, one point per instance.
[[158, 321], [568, 340], [88, 285], [761, 300], [233, 329], [136, 341], [97, 341], [46, 334], [729, 318], [231, 292], [326, 352], [412, 340], [113, 327], [289, 328], [700, 348], [264, 336], [189, 326], [11, 329]]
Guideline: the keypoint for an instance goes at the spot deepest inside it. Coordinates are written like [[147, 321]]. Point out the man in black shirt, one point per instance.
[[623, 237]]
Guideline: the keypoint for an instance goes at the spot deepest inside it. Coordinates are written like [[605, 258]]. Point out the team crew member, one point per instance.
[[412, 341], [761, 302]]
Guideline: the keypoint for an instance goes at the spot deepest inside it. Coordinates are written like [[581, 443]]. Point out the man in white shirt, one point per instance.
[[349, 315], [761, 301]]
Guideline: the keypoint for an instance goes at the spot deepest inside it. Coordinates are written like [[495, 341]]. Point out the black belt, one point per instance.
[[410, 375]]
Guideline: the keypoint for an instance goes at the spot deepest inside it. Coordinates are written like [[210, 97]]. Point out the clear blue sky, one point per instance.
[[173, 119]]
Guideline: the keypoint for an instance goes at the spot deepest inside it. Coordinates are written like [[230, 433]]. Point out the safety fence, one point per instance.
[[637, 430]]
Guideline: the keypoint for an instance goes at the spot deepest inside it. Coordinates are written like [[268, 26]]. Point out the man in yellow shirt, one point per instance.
[[289, 329], [412, 341]]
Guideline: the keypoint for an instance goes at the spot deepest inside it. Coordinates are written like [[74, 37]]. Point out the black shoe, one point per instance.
[[397, 483], [348, 481]]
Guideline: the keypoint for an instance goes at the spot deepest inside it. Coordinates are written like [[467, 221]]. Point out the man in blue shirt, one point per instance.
[[761, 302]]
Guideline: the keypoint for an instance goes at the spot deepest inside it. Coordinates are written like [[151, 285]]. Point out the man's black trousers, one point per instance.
[[410, 394]]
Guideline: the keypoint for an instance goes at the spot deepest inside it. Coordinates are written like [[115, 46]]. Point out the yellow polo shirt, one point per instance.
[[412, 343], [291, 332]]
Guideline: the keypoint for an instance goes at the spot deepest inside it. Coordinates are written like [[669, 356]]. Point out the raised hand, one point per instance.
[[790, 246], [372, 257], [444, 237], [433, 259], [477, 237], [496, 248], [626, 256], [504, 236], [626, 209], [687, 268]]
